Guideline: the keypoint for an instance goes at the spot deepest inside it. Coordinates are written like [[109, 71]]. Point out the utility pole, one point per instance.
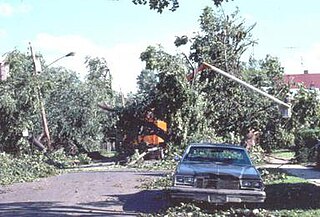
[[37, 69]]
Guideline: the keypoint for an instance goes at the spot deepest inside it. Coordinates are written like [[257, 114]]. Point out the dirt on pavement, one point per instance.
[[100, 193]]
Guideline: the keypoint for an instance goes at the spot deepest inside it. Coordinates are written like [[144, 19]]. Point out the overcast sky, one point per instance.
[[119, 31]]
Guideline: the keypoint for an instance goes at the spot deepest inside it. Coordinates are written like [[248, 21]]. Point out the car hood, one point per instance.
[[237, 171]]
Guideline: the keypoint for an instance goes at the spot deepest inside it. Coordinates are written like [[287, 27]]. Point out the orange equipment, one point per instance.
[[154, 139]]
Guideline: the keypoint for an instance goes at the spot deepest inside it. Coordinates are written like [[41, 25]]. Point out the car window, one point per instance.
[[217, 154]]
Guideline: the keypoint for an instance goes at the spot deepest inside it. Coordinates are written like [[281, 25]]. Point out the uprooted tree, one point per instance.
[[75, 121], [202, 106], [209, 106]]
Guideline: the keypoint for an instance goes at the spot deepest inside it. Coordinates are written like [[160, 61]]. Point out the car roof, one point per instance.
[[219, 145]]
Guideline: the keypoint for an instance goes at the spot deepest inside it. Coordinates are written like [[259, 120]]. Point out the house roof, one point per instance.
[[307, 80]]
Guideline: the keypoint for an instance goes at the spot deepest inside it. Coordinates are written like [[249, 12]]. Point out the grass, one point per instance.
[[106, 153], [291, 196], [283, 153]]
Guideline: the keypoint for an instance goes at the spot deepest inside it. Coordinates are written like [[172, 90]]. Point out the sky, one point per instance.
[[119, 31]]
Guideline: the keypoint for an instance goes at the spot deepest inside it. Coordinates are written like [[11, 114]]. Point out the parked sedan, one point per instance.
[[217, 173]]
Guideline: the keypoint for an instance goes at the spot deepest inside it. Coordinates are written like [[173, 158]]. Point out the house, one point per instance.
[[309, 81]]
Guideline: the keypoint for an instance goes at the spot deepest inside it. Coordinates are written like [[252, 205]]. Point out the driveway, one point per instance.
[[103, 193]]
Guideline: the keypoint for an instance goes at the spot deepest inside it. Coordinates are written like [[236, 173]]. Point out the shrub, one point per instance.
[[256, 154], [305, 142]]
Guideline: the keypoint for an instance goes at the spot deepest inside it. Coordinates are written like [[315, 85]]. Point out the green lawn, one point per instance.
[[284, 154], [291, 196]]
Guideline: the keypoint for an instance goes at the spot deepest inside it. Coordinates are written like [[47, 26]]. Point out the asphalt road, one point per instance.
[[103, 193]]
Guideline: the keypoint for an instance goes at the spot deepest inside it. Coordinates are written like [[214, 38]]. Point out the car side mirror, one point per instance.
[[177, 158]]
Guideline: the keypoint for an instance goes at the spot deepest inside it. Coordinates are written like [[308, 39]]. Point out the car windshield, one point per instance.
[[217, 154]]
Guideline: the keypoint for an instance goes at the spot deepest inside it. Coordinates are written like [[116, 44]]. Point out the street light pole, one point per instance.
[[37, 69], [246, 85], [284, 106], [56, 60]]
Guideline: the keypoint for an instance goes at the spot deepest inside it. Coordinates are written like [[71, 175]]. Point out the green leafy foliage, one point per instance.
[[234, 108], [222, 40], [146, 81], [305, 109], [174, 99], [64, 160], [267, 74], [305, 144], [158, 183], [76, 123], [192, 210], [18, 103], [304, 124], [210, 107], [74, 118], [271, 176], [161, 5], [257, 155], [26, 168]]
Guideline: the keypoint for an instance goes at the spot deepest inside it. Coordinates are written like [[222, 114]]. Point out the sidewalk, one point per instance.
[[311, 174]]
